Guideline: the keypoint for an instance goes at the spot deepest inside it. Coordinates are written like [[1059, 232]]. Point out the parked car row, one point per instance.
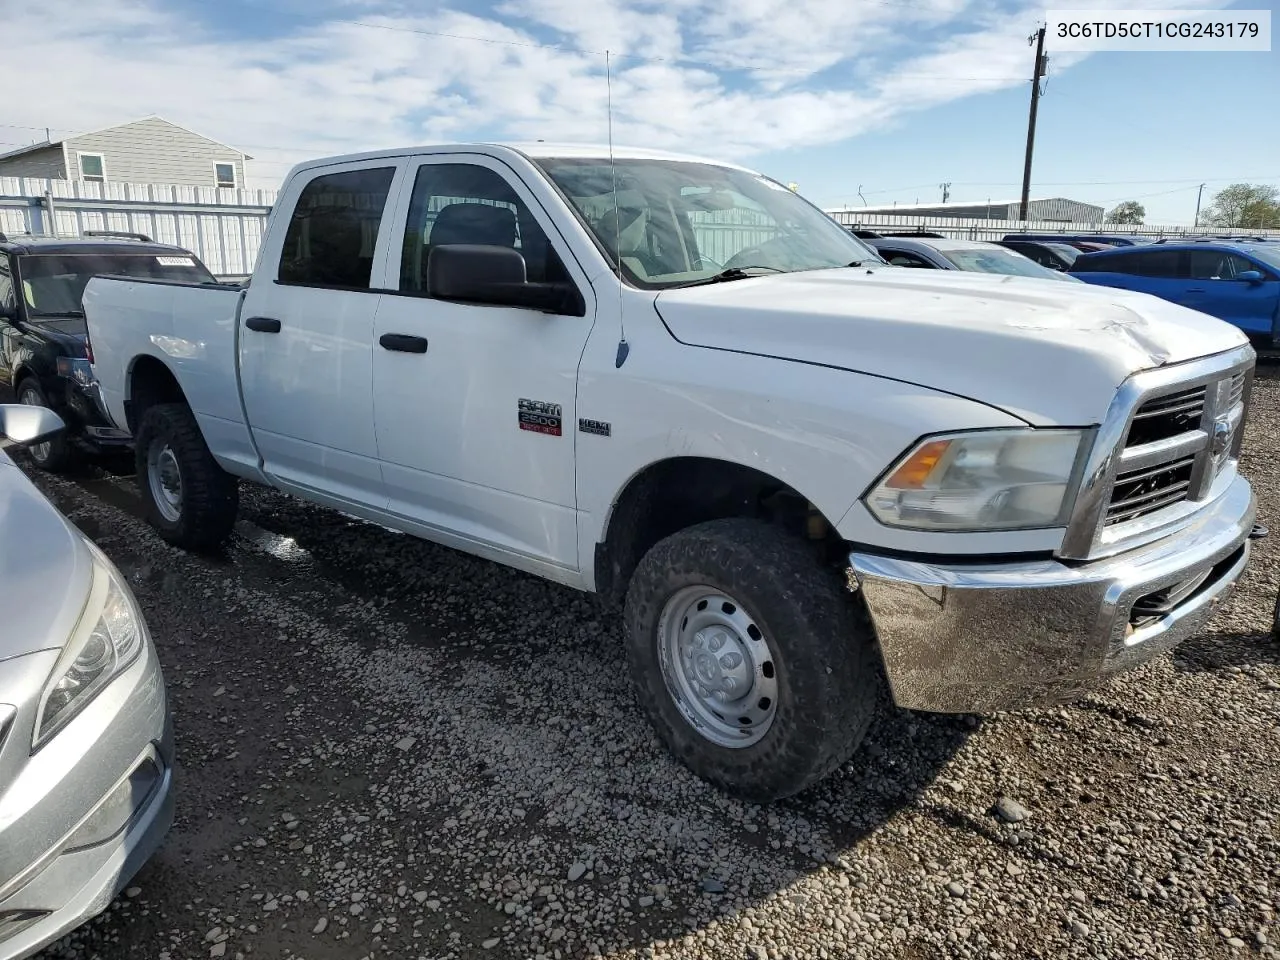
[[1233, 279]]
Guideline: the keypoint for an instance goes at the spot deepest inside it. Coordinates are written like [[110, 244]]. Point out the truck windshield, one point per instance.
[[53, 284], [677, 223]]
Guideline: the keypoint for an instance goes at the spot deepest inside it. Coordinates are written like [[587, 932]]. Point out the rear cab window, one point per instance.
[[52, 284]]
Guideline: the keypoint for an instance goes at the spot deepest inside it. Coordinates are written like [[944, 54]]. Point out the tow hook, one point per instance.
[[1259, 532]]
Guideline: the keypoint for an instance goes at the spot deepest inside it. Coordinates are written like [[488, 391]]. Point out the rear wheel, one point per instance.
[[189, 499], [53, 455], [752, 662]]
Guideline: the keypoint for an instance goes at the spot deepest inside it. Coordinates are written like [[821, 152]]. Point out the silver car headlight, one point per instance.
[[982, 480], [105, 642]]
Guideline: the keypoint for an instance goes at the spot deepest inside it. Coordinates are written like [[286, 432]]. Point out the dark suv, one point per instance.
[[44, 351]]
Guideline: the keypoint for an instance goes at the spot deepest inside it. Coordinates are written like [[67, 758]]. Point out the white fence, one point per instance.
[[222, 227], [967, 229]]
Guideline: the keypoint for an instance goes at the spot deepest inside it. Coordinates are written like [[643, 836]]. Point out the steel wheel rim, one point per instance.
[[165, 480], [40, 451], [718, 667]]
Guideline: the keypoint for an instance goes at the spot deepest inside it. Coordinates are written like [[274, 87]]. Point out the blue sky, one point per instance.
[[893, 95]]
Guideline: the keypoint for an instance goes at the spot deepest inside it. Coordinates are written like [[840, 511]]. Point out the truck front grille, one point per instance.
[[1176, 445], [1171, 434]]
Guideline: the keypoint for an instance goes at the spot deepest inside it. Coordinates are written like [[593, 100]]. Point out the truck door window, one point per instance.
[[334, 230], [467, 203]]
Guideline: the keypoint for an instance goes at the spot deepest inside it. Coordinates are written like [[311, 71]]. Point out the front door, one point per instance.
[[1215, 290], [306, 337], [476, 405]]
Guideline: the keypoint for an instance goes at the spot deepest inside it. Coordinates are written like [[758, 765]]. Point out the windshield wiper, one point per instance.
[[731, 273], [59, 315]]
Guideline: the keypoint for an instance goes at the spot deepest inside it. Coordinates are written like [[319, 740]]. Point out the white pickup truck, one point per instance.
[[676, 383]]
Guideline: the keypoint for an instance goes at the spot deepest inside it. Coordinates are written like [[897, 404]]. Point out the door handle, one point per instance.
[[263, 324], [403, 343], [1195, 289]]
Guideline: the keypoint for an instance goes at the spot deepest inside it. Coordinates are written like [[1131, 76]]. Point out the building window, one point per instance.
[[92, 168], [225, 174]]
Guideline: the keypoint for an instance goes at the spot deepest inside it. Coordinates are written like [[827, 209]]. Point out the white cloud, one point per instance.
[[726, 79]]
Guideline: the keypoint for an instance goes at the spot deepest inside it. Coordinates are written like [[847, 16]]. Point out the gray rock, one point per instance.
[[577, 871], [133, 892], [218, 950], [320, 925], [1079, 928], [757, 952], [406, 743], [712, 885], [957, 890], [1010, 811], [491, 943]]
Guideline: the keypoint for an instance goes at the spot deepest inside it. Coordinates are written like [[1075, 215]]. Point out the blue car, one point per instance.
[[1236, 282]]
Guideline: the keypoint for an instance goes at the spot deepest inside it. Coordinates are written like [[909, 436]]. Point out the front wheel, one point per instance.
[[753, 664], [189, 499]]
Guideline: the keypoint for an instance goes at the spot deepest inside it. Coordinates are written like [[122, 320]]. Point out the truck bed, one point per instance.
[[192, 330]]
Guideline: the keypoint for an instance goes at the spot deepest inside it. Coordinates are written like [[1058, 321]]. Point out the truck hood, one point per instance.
[[1050, 353], [45, 568]]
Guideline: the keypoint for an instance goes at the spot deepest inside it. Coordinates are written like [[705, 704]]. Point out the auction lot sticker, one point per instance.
[[1159, 30]]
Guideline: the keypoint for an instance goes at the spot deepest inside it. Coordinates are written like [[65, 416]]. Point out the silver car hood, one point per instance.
[[45, 568]]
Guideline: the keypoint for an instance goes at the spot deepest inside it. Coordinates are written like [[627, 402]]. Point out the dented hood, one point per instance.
[[1049, 352]]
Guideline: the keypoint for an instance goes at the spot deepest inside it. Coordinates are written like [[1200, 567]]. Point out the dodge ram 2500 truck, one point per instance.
[[676, 383]]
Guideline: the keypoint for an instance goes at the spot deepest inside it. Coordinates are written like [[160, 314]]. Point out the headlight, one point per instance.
[[987, 480], [105, 642]]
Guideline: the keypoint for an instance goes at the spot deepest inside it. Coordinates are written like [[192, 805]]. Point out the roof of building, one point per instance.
[[48, 144], [908, 207]]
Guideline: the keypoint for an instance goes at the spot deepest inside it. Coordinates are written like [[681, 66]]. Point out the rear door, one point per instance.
[[1215, 289], [306, 333]]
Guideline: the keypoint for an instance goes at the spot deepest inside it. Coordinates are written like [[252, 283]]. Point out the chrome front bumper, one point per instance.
[[972, 637]]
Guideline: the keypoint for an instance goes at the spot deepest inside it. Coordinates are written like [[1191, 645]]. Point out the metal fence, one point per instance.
[[222, 227], [967, 229]]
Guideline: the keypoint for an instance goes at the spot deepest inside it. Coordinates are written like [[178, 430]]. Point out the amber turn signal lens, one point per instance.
[[915, 471]]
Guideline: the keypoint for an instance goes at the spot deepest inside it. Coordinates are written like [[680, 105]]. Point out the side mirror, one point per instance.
[[1250, 276], [474, 273], [22, 424]]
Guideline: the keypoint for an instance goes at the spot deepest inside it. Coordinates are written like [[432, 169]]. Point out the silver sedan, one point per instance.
[[86, 743]]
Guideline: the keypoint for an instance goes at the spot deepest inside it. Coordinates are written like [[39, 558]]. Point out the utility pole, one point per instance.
[[1038, 39], [946, 191], [1199, 194]]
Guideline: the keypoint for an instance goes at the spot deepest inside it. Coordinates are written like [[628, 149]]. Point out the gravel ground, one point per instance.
[[387, 749]]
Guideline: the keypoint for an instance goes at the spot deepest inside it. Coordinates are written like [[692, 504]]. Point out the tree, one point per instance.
[[1131, 211], [1244, 205]]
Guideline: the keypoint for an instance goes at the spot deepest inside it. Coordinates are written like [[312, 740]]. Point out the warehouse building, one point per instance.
[[1043, 210]]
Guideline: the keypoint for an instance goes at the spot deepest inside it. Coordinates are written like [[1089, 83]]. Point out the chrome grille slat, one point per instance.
[[1141, 506], [1196, 403]]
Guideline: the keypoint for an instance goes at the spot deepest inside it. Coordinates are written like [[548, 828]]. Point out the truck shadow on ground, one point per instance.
[[1214, 652]]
